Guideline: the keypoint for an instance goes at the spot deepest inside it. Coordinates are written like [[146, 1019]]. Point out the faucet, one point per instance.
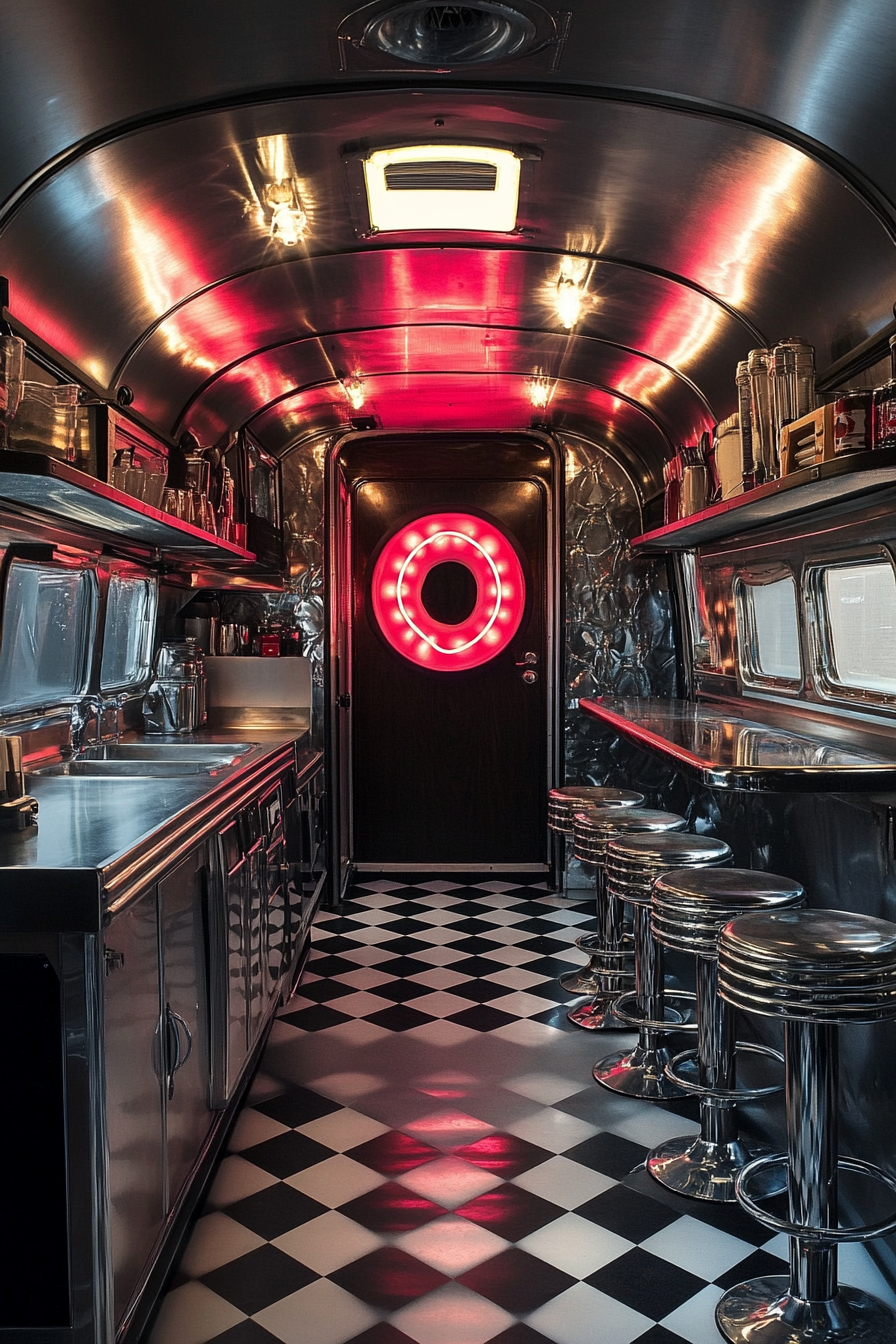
[[89, 707]]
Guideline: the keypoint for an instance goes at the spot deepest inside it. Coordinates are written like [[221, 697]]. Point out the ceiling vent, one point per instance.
[[443, 186], [448, 37]]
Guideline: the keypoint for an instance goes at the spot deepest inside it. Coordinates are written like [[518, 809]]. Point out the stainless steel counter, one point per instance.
[[774, 749], [99, 840]]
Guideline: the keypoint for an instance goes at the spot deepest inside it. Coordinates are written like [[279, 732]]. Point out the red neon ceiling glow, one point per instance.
[[399, 574]]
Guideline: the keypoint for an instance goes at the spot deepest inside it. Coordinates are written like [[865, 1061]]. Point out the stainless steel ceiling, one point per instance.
[[726, 169]]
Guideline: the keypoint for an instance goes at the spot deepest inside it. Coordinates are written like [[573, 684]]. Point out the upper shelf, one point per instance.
[[51, 487], [830, 483]]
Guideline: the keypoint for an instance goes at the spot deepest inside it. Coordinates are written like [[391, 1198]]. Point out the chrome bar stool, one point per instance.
[[633, 864], [688, 912], [563, 803], [611, 952], [815, 969]]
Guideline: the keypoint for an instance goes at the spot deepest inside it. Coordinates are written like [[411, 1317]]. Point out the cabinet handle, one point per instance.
[[176, 1059]]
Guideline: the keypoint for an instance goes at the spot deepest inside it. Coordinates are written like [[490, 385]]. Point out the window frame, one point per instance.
[[751, 675], [87, 634], [129, 571], [824, 663]]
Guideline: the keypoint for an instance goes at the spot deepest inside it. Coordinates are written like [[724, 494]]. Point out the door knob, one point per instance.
[[529, 660], [529, 677]]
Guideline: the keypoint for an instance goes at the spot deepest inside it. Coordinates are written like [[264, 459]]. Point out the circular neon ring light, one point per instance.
[[401, 570]]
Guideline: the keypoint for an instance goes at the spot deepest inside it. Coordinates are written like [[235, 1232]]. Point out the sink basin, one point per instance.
[[150, 760]]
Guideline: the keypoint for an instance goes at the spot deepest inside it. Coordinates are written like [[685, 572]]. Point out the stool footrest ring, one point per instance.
[[632, 1017], [675, 1065], [820, 1236]]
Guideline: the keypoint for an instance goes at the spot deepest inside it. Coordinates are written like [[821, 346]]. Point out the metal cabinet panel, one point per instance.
[[228, 963], [134, 1099], [185, 1034], [275, 874], [255, 916]]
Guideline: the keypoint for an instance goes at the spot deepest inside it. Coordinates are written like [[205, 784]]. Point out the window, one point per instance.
[[768, 632], [128, 631], [49, 612], [859, 637], [705, 640]]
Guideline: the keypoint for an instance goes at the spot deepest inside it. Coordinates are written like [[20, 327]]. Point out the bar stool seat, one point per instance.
[[563, 803], [815, 969], [689, 908], [633, 864], [610, 952]]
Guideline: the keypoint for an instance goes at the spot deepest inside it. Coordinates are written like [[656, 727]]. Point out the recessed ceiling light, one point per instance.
[[469, 187], [540, 389], [353, 387]]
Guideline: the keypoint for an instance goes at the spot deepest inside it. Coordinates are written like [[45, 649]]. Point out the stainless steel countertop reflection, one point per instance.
[[759, 748], [99, 840]]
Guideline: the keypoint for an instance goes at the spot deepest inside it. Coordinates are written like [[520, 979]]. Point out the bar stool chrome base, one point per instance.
[[638, 1073], [763, 1311], [597, 1015], [702, 1170]]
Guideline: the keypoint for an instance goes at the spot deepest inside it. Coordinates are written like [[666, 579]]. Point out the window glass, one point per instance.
[[770, 644], [706, 653], [128, 632], [860, 603], [48, 620]]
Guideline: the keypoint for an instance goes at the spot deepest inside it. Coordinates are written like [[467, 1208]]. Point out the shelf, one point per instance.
[[750, 747], [827, 485], [56, 489]]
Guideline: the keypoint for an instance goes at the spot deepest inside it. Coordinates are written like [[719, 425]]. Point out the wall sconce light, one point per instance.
[[540, 390], [571, 290], [353, 387], [288, 219]]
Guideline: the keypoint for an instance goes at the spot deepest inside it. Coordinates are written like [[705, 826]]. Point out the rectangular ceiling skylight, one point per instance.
[[468, 187]]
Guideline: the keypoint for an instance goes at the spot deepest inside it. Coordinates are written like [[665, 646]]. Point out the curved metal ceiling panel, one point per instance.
[[237, 395]]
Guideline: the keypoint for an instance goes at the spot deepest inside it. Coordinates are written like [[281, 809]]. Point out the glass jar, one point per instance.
[[765, 455]]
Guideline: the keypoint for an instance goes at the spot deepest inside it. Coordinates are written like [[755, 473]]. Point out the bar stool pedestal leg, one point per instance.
[[597, 1014], [808, 1307]]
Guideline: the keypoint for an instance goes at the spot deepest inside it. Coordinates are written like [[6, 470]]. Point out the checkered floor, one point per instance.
[[425, 1159]]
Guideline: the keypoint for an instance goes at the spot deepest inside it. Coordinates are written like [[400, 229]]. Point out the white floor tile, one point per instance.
[[284, 1033], [582, 1315], [452, 1315], [448, 1127], [511, 956], [442, 1033], [575, 1245], [526, 1032], [434, 900], [328, 1242], [253, 1127], [697, 1247], [447, 1084], [379, 884], [544, 1087], [375, 916], [322, 1313], [506, 917], [237, 1179], [335, 1181], [653, 1126], [554, 1130], [695, 1319], [345, 1087], [451, 1245], [374, 935], [367, 955], [449, 1181], [516, 977], [361, 1004], [440, 956], [499, 888], [357, 1033], [519, 1003], [437, 886], [439, 918], [344, 1129], [440, 977], [565, 916], [376, 901], [365, 977], [563, 1182], [192, 1314], [216, 1240], [440, 1004], [440, 935], [858, 1269]]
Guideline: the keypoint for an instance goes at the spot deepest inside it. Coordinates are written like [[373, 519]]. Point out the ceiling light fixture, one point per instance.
[[571, 290], [288, 219], [353, 387], [540, 389], [441, 186]]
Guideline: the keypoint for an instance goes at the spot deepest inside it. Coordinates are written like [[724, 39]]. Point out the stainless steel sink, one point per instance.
[[148, 760]]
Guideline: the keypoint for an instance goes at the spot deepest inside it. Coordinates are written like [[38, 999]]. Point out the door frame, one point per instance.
[[337, 630]]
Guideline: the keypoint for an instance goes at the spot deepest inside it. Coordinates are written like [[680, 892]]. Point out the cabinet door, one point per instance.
[[275, 866], [256, 935], [228, 963], [185, 1032], [132, 1026]]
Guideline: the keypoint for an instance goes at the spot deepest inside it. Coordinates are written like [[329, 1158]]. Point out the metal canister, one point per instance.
[[852, 421], [883, 429]]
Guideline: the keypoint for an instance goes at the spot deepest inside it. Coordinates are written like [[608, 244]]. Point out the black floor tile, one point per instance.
[[276, 1210], [609, 1153], [406, 925], [258, 1279], [628, 1213], [475, 945], [517, 1281], [381, 1333], [247, 1332], [520, 1333], [297, 1107], [400, 991], [503, 1154], [658, 1334], [557, 1017], [400, 1017], [646, 1283], [323, 991], [477, 966], [730, 1218], [482, 1018], [330, 965], [334, 943], [286, 1154], [553, 991], [393, 1153], [405, 946], [479, 991], [403, 966], [552, 966], [474, 925], [510, 1212], [318, 1018], [755, 1266], [388, 1278], [390, 1209]]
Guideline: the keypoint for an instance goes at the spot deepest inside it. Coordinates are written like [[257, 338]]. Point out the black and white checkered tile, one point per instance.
[[424, 1158]]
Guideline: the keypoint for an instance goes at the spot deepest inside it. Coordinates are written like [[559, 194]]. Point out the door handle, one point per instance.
[[530, 677], [175, 1059], [529, 660], [343, 701]]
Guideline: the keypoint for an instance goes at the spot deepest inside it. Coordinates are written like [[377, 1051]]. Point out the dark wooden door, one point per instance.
[[449, 768]]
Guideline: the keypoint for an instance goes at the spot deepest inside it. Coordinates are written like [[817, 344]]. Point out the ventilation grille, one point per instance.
[[451, 35], [441, 176]]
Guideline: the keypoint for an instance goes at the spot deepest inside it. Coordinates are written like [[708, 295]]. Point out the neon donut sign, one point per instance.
[[397, 591]]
